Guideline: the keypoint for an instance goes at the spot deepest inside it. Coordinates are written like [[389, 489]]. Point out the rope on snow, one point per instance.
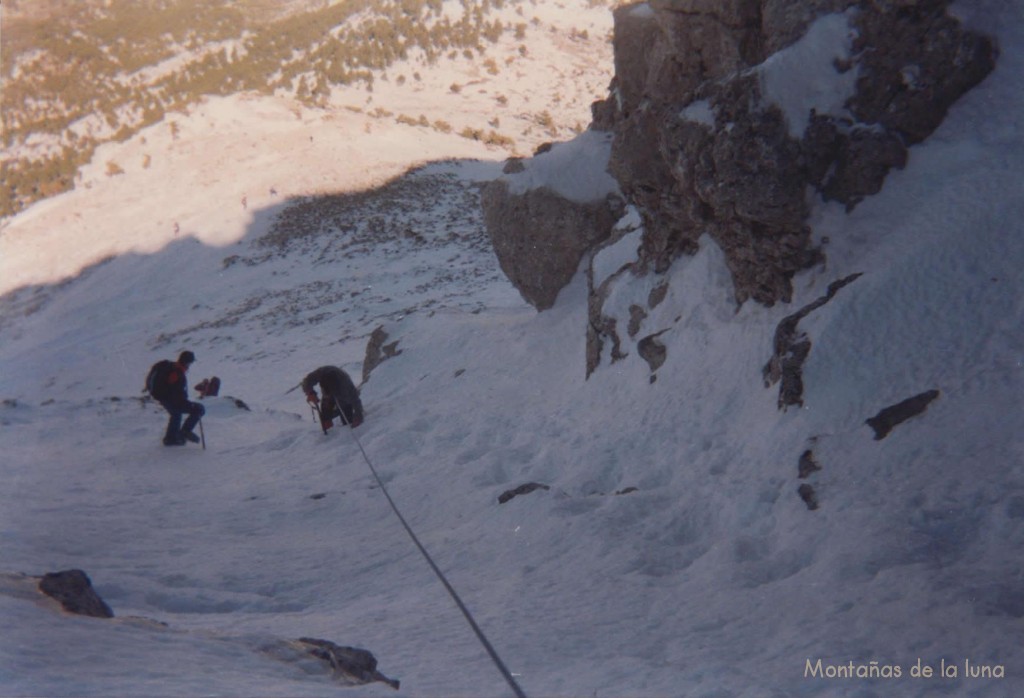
[[506, 674]]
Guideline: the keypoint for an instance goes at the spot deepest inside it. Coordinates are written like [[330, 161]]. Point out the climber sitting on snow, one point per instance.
[[340, 396]]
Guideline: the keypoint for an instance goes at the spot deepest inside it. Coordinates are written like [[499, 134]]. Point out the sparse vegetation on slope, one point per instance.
[[77, 78]]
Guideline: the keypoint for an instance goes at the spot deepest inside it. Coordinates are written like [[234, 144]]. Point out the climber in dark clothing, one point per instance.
[[338, 392], [167, 384]]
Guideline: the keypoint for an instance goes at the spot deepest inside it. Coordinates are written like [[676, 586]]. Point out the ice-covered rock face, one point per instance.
[[727, 115]]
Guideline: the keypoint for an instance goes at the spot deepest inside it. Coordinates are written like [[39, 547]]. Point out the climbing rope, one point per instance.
[[440, 575]]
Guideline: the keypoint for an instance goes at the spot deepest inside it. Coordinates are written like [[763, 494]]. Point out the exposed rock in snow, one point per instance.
[[894, 415], [546, 212], [351, 666], [723, 117], [809, 496], [377, 351], [522, 489], [807, 464], [73, 589], [792, 348], [653, 352]]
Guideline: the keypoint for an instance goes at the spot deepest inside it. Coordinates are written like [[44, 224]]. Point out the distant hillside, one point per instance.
[[101, 71]]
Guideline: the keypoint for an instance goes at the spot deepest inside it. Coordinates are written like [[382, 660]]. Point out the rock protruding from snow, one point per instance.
[[792, 347], [351, 666], [807, 464], [653, 352], [522, 489], [886, 420], [73, 589], [546, 212], [809, 496], [378, 350]]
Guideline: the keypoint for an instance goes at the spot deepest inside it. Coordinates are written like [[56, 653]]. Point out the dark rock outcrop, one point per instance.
[[542, 261], [727, 119], [601, 327], [541, 225], [652, 351], [540, 237], [792, 347], [891, 416], [73, 589], [349, 665], [807, 464], [914, 62], [808, 495], [522, 489], [700, 146]]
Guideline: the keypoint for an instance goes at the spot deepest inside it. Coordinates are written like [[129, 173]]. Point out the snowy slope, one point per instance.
[[711, 578]]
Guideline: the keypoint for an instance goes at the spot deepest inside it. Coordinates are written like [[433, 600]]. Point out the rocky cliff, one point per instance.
[[724, 120], [723, 126]]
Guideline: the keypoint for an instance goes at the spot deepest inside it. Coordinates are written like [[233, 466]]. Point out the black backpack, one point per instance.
[[156, 379]]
